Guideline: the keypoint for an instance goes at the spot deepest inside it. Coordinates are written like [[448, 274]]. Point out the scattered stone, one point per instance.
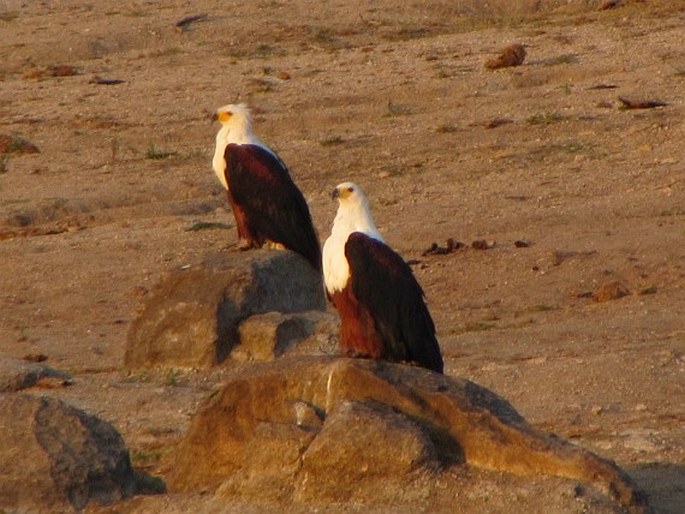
[[63, 70], [450, 246], [191, 317], [342, 429], [497, 122], [561, 256], [482, 244], [17, 374], [184, 24], [610, 4], [640, 104], [603, 86], [512, 55], [610, 291], [16, 144], [105, 82], [265, 337], [55, 458], [35, 357], [522, 243]]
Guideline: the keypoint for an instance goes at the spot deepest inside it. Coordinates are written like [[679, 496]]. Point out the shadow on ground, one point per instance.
[[665, 485]]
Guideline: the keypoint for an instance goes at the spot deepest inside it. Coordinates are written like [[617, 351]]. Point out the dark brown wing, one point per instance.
[[386, 286], [261, 185]]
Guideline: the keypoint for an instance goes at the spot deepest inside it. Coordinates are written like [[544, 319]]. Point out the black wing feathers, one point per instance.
[[385, 284], [261, 184]]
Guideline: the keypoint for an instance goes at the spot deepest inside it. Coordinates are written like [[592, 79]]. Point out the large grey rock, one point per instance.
[[337, 429], [55, 458], [17, 374], [191, 318]]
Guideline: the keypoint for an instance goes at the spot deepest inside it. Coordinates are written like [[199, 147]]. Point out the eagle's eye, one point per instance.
[[350, 189]]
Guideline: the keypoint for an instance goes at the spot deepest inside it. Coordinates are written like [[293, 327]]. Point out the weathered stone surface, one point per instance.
[[265, 337], [190, 319], [364, 441], [259, 435], [56, 458], [17, 374]]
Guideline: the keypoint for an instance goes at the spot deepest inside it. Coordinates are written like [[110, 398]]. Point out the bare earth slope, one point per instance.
[[395, 98]]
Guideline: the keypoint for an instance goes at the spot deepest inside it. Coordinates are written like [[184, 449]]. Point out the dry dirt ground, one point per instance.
[[393, 96]]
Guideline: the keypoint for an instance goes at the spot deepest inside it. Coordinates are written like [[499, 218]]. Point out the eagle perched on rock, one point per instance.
[[382, 311], [267, 205]]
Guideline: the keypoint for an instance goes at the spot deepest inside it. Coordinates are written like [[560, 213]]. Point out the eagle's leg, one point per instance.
[[246, 240]]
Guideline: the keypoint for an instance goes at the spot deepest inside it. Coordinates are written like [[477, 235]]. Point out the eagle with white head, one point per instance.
[[381, 305], [267, 205]]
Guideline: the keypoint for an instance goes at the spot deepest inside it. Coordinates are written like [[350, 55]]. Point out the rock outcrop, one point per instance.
[[57, 458], [326, 428], [191, 318], [17, 374], [265, 337]]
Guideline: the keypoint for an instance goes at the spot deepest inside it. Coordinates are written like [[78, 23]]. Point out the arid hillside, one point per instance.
[[567, 298]]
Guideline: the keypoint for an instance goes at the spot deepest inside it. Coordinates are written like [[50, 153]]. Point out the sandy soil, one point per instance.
[[395, 98]]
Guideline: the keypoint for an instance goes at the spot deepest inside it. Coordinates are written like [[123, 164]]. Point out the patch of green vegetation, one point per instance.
[[546, 118], [202, 225], [263, 51], [9, 16], [323, 35], [154, 153], [447, 128], [145, 458], [649, 290], [479, 326], [569, 147], [172, 377], [142, 377], [408, 33], [560, 59], [542, 308], [331, 140], [395, 109], [675, 211]]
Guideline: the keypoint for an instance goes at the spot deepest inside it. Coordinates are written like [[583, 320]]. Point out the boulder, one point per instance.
[[336, 428], [57, 458], [265, 337], [191, 317], [17, 374]]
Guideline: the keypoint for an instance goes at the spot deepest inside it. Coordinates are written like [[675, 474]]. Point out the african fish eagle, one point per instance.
[[267, 205], [382, 311]]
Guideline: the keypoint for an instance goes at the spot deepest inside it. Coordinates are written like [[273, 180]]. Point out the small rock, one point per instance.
[[628, 103], [482, 244], [610, 291], [17, 374], [512, 55], [55, 458], [191, 317]]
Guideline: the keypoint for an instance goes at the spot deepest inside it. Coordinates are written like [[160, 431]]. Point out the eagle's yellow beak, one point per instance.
[[222, 116]]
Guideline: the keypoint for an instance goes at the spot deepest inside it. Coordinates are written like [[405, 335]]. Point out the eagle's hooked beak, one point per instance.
[[215, 117], [335, 194]]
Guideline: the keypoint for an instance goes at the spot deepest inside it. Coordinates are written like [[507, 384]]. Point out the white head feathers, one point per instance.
[[354, 215], [236, 128]]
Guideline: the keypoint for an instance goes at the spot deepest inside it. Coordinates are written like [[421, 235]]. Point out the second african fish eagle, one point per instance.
[[381, 305], [267, 205]]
